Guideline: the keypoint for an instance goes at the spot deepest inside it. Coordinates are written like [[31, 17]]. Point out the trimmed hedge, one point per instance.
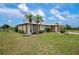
[[34, 33], [62, 30], [48, 30], [41, 31], [21, 31]]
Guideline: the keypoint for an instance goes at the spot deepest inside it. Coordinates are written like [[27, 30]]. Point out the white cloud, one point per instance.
[[65, 13], [57, 14], [9, 21], [41, 13], [2, 5], [34, 12], [57, 7], [72, 17], [25, 10], [23, 7], [10, 14], [38, 12], [15, 12], [64, 17], [50, 18]]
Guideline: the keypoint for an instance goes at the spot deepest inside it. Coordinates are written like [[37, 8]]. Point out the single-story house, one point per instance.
[[27, 26]]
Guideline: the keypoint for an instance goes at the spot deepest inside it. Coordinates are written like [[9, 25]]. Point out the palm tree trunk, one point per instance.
[[30, 29], [25, 26], [37, 27], [67, 31]]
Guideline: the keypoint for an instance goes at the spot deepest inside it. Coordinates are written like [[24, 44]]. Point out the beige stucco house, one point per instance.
[[26, 27]]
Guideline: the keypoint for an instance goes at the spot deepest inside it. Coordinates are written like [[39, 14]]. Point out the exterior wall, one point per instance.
[[26, 28], [56, 28], [53, 28], [34, 28], [47, 26], [23, 27], [29, 31], [41, 27], [20, 27]]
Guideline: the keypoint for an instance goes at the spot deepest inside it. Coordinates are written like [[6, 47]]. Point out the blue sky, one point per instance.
[[13, 13]]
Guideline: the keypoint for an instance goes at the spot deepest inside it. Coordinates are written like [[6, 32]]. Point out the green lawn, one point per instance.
[[77, 31], [45, 43]]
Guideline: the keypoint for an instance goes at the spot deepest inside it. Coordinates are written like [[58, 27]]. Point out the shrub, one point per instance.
[[48, 30], [16, 29], [62, 30], [21, 31], [34, 32], [41, 31]]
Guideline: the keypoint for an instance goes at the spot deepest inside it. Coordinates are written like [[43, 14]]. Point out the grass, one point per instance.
[[74, 31], [12, 43]]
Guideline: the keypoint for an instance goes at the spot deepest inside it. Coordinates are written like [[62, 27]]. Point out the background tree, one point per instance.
[[16, 29], [38, 19], [57, 23], [67, 27], [6, 27]]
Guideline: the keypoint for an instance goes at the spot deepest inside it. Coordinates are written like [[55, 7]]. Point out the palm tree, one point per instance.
[[29, 17], [67, 27], [38, 19]]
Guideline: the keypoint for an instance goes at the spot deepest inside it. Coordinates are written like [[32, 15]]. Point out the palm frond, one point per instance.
[[38, 18], [29, 17]]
